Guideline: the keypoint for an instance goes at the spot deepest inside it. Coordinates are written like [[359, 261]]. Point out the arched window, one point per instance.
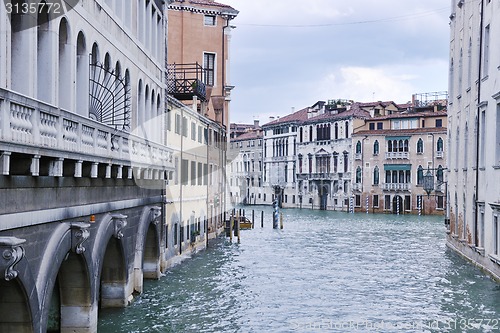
[[420, 146], [336, 131], [376, 176], [376, 148], [310, 133], [347, 129], [64, 71], [406, 145], [439, 174], [358, 175], [44, 56], [387, 177], [420, 175], [401, 145], [440, 144], [140, 108], [301, 134], [358, 147], [389, 146], [82, 76]]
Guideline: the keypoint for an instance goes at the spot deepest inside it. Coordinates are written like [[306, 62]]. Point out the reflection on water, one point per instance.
[[326, 271]]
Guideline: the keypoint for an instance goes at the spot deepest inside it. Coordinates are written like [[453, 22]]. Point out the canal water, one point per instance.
[[324, 272]]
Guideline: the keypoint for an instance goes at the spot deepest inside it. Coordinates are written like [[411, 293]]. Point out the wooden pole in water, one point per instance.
[[253, 218], [281, 220], [231, 228], [237, 227], [262, 219]]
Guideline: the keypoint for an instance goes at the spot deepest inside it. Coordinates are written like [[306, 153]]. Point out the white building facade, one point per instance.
[[474, 133]]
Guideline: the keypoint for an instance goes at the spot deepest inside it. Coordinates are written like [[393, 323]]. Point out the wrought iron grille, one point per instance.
[[109, 97]]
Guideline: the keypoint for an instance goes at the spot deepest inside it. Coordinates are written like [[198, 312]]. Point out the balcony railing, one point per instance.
[[397, 155], [357, 187], [28, 126], [357, 156], [439, 154], [396, 186], [184, 81]]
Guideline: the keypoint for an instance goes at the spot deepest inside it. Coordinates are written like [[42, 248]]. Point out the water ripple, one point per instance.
[[323, 270]]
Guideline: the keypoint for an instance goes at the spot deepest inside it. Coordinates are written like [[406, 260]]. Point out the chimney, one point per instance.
[[271, 118], [255, 123]]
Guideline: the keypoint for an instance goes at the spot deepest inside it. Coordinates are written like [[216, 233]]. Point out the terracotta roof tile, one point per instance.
[[208, 3], [248, 136], [298, 116], [412, 115], [402, 131]]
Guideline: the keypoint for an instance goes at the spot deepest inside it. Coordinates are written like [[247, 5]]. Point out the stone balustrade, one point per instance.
[[31, 127]]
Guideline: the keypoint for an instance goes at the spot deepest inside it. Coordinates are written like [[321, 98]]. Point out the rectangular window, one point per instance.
[[184, 126], [286, 198], [177, 124], [387, 202], [371, 126], [209, 20], [440, 202], [205, 174], [358, 200], [200, 173], [497, 148], [486, 56], [176, 165], [184, 171], [193, 131], [209, 67], [375, 201], [175, 234], [205, 135], [169, 119], [407, 202], [380, 126], [200, 135], [439, 122]]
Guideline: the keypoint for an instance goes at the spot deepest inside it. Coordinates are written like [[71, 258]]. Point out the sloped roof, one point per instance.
[[354, 111], [403, 131], [298, 116], [205, 3], [248, 136], [411, 115]]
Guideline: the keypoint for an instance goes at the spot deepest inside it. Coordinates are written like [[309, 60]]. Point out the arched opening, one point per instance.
[[151, 254], [113, 276], [140, 107], [70, 296], [44, 55], [15, 314], [21, 45], [64, 70], [397, 205], [82, 76]]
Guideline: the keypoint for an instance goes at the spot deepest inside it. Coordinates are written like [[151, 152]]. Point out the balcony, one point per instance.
[[184, 81], [439, 154], [31, 127], [316, 176], [357, 187], [357, 156], [397, 155], [396, 186]]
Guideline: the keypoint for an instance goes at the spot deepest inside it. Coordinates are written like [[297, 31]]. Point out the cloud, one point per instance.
[[349, 49]]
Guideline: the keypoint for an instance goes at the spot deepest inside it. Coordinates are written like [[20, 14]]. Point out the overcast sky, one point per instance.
[[290, 54]]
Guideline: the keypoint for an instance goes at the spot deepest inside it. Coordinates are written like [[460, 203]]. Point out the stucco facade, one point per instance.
[[474, 133]]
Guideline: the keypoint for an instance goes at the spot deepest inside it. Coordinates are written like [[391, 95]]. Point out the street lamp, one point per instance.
[[429, 187], [428, 182]]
